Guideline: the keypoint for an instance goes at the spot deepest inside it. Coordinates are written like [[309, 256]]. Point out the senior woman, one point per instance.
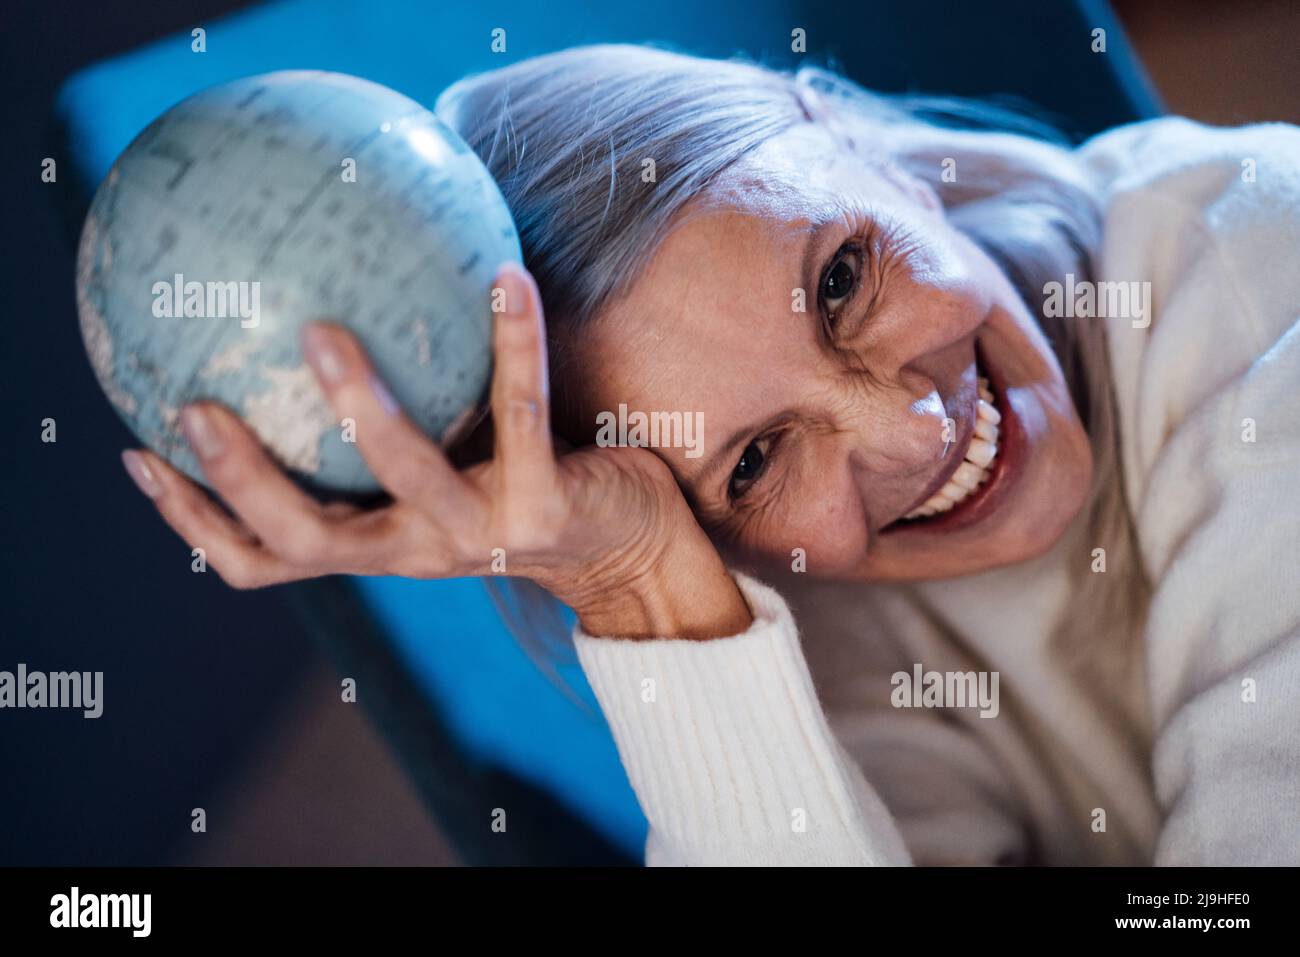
[[976, 405]]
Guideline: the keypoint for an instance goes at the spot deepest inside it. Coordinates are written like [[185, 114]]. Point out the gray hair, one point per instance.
[[567, 135]]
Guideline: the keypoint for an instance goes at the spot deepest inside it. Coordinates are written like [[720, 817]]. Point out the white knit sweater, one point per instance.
[[762, 749]]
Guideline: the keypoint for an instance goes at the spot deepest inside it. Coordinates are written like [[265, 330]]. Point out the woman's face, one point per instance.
[[851, 429]]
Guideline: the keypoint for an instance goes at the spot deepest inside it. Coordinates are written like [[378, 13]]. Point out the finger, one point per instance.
[[521, 393], [228, 547], [287, 521], [406, 462]]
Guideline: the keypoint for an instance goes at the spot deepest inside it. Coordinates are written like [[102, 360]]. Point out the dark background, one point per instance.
[[219, 699]]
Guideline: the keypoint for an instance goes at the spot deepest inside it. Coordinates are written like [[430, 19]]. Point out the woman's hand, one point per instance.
[[606, 530]]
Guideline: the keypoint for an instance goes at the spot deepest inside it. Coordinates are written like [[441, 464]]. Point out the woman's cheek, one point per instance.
[[825, 525]]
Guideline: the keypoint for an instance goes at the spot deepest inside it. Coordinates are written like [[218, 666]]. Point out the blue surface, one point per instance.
[[484, 686]]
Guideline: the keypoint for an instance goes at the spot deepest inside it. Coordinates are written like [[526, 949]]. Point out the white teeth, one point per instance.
[[968, 475], [954, 492], [981, 452], [974, 471]]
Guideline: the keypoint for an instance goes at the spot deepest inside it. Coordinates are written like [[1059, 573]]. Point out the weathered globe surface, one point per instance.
[[341, 200]]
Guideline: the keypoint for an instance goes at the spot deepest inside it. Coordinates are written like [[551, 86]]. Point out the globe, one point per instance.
[[257, 206]]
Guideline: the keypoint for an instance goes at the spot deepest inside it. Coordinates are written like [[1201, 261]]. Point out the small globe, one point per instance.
[[257, 206]]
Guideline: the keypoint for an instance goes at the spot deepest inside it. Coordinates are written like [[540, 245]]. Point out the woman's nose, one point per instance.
[[908, 433], [931, 342]]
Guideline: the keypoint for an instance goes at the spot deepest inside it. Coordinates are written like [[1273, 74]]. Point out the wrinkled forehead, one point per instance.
[[731, 256], [753, 222], [795, 175], [670, 340]]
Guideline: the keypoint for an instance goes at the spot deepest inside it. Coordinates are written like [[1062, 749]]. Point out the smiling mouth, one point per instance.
[[965, 494], [977, 466]]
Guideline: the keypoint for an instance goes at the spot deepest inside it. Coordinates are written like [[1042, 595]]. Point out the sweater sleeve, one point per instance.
[[1210, 406], [729, 752]]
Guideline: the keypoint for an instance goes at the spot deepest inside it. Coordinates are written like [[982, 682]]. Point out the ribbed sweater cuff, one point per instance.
[[728, 750]]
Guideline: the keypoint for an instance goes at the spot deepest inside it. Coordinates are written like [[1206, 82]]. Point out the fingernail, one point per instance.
[[140, 473], [383, 395], [202, 431], [514, 286], [318, 346]]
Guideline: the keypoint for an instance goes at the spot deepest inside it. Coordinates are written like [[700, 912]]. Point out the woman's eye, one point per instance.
[[747, 470], [840, 281]]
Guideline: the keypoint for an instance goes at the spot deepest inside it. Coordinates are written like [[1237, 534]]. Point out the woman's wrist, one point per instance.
[[687, 596]]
